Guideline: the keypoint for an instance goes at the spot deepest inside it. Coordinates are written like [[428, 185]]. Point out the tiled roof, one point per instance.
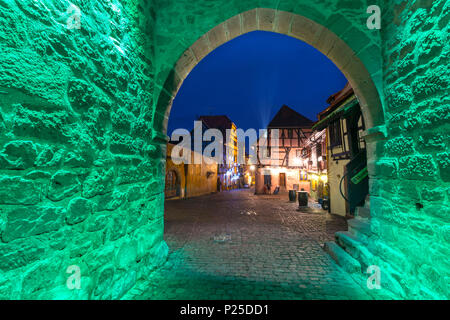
[[289, 118], [335, 100], [216, 122]]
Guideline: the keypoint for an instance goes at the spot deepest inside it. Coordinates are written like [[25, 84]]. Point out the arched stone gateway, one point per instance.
[[293, 25], [83, 132]]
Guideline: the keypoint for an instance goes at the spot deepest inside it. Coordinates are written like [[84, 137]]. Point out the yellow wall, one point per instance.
[[335, 173], [196, 181]]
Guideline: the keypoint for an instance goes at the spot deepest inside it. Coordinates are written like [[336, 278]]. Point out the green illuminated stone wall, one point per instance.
[[81, 177], [413, 166], [82, 137]]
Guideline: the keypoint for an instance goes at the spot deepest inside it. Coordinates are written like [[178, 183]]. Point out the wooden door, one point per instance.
[[283, 180]]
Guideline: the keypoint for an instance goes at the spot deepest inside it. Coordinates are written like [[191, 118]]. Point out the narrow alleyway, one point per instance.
[[236, 245]]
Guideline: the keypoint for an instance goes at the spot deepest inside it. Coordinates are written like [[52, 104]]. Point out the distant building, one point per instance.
[[284, 168], [249, 170], [346, 151], [230, 172], [314, 157]]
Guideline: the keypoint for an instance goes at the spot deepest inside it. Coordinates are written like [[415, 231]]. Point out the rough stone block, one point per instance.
[[437, 114], [63, 184], [37, 277], [20, 253], [126, 255], [111, 201], [383, 168], [16, 190], [26, 221], [266, 18], [305, 29], [18, 155], [325, 41], [434, 82], [148, 236], [124, 282], [121, 121], [417, 167], [400, 146], [234, 27], [432, 193], [82, 96], [104, 282], [341, 54], [38, 175], [79, 210], [51, 126], [81, 245], [249, 21], [217, 36], [283, 22], [443, 161], [185, 64], [433, 142], [201, 48], [99, 182], [117, 228], [125, 144]]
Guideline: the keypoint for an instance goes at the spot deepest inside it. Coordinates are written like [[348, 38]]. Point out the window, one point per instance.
[[319, 149], [306, 152], [335, 133]]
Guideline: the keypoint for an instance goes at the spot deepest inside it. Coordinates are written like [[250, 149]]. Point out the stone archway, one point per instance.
[[83, 131], [294, 25], [301, 28]]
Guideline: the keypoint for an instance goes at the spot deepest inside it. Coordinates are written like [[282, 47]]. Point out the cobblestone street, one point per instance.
[[236, 245]]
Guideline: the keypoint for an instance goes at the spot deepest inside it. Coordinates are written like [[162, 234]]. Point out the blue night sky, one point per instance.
[[251, 77]]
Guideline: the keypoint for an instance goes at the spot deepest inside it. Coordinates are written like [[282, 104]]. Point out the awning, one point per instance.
[[342, 111]]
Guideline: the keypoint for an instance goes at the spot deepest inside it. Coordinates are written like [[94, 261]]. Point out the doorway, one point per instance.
[[283, 180]]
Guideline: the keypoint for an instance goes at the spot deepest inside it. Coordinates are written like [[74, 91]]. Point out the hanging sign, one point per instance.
[[357, 178]]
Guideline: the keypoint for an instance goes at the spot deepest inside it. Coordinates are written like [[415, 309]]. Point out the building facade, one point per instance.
[[188, 180], [314, 165], [229, 172], [346, 152], [283, 170]]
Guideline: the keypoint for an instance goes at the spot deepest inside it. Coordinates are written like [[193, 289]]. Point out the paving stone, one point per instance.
[[275, 254]]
